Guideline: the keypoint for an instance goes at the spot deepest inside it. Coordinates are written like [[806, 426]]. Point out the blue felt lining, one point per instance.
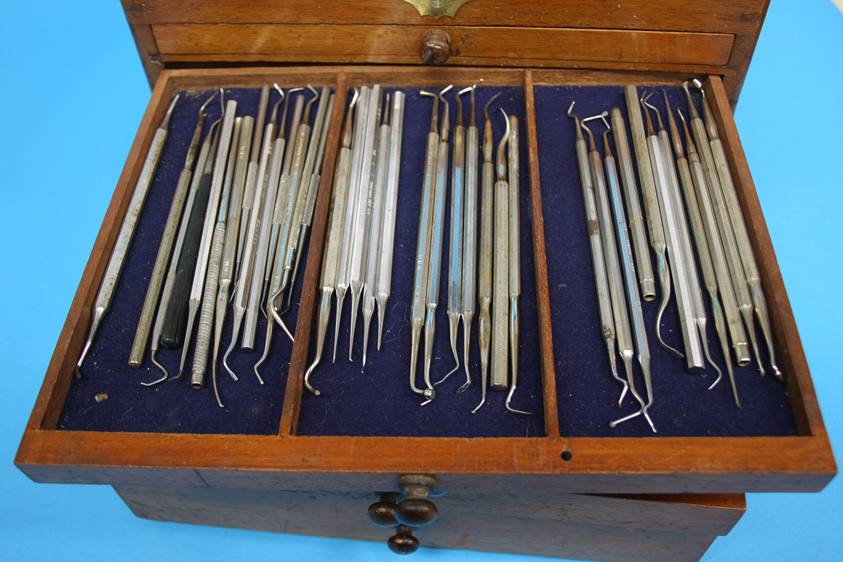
[[378, 401], [586, 392], [174, 406]]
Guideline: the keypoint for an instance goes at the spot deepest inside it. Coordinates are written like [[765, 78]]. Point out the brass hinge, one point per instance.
[[437, 8]]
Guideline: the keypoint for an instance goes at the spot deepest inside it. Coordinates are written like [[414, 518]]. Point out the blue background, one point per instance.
[[72, 80]]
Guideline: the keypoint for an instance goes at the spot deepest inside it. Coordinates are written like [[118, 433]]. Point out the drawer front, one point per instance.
[[509, 46], [590, 527]]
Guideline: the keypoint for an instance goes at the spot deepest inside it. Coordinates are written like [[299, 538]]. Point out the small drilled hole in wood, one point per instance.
[[567, 455]]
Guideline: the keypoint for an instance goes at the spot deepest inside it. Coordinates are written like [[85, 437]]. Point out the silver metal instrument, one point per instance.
[[436, 237], [209, 297], [251, 177], [455, 245], [514, 259], [651, 205], [344, 265], [362, 210], [469, 258], [685, 253], [244, 280], [601, 280], [737, 335], [127, 230], [730, 245], [623, 329], [750, 267], [422, 263], [208, 234], [168, 238], [500, 259], [375, 238], [331, 257], [487, 217], [232, 234], [312, 193], [264, 252], [633, 299], [640, 245], [301, 178], [278, 229], [390, 208], [679, 269]]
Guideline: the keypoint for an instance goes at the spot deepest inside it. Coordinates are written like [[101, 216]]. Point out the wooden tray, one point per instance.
[[550, 464]]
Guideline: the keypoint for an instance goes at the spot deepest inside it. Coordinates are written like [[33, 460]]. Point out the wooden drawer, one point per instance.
[[669, 528], [554, 460]]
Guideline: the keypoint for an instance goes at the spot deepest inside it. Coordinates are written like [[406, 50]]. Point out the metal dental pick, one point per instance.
[[300, 178], [331, 257], [361, 99], [278, 230], [514, 258], [730, 245], [227, 266], [601, 280], [205, 245], [651, 206], [422, 263], [127, 230], [185, 185], [500, 260], [646, 279], [168, 237], [390, 208], [633, 299], [251, 177], [312, 193], [376, 223], [209, 297], [436, 236], [747, 255], [706, 265], [679, 269], [362, 211], [244, 280], [469, 258], [484, 292], [721, 269], [620, 310], [455, 246], [692, 314]]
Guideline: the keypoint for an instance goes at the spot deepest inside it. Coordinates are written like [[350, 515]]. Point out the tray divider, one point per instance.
[[307, 307], [548, 374]]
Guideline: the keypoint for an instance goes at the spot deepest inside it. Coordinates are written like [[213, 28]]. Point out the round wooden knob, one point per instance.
[[382, 514], [403, 541], [436, 47], [417, 512]]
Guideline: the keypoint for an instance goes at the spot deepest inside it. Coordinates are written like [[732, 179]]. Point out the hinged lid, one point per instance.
[[655, 35]]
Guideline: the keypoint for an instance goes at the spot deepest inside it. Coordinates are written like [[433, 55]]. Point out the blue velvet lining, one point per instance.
[[378, 400], [587, 394], [174, 406]]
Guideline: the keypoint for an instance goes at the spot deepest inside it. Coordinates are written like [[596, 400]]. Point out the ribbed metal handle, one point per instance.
[[206, 317]]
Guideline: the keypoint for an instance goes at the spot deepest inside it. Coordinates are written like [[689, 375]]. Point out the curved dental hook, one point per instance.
[[654, 108], [716, 368], [277, 317], [204, 106], [310, 103], [512, 409], [160, 379], [488, 103], [661, 262], [500, 160], [231, 373]]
